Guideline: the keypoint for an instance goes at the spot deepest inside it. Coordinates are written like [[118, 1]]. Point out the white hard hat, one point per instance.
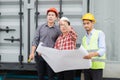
[[65, 19]]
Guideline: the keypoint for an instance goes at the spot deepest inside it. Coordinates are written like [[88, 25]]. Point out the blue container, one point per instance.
[[1, 77]]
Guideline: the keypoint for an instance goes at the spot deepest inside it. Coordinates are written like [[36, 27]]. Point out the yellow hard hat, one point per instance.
[[88, 16]]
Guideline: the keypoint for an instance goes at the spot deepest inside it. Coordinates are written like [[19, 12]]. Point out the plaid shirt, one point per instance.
[[67, 42]]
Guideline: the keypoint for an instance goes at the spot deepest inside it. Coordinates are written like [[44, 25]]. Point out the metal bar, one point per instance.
[[7, 29], [60, 13], [88, 6], [20, 16], [0, 60], [12, 39], [36, 13], [29, 29]]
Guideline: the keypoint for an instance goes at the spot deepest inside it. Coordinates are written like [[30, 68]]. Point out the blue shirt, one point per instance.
[[101, 42]]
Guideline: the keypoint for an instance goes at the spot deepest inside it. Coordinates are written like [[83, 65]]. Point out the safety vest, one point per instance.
[[97, 62]]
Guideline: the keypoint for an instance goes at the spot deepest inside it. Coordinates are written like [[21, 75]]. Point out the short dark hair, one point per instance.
[[68, 23]]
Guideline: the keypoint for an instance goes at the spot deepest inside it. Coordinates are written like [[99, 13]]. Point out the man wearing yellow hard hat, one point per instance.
[[94, 42]]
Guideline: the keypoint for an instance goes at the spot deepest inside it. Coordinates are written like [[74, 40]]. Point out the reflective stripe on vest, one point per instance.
[[93, 46]]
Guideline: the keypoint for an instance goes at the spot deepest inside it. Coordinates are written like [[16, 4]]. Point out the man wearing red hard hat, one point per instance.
[[46, 33], [53, 10]]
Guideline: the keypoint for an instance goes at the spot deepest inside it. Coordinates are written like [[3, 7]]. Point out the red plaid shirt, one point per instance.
[[67, 42]]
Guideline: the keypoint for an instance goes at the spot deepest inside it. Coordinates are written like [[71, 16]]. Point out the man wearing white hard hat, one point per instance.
[[66, 41]]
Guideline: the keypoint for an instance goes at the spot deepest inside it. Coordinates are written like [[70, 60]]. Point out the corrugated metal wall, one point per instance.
[[10, 10], [108, 19], [9, 19]]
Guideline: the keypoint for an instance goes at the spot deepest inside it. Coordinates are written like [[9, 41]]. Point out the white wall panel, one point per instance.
[[107, 13], [9, 17], [9, 9]]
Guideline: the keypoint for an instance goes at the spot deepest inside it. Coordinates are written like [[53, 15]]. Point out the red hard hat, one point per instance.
[[53, 10]]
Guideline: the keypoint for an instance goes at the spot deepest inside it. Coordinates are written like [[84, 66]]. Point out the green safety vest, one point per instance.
[[97, 62]]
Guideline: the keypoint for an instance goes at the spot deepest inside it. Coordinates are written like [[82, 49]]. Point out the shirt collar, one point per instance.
[[50, 27], [93, 30]]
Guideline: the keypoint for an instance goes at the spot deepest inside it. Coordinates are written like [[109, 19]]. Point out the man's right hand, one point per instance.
[[31, 57]]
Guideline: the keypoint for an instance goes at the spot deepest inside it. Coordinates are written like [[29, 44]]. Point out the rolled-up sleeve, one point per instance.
[[101, 44], [73, 35], [36, 38]]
